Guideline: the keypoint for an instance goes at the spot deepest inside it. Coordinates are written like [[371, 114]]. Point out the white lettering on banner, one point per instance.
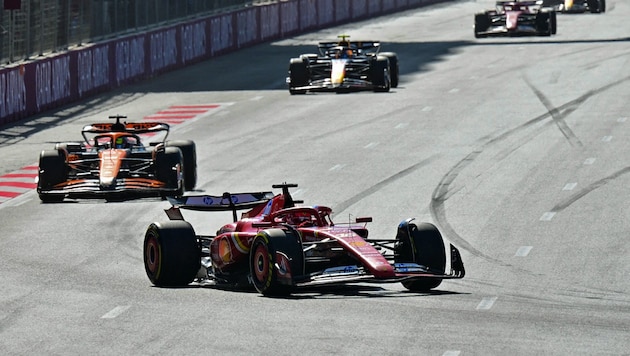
[[308, 14], [269, 21], [247, 27], [193, 41], [52, 81], [163, 49], [129, 59], [93, 69], [220, 33], [12, 93], [290, 21]]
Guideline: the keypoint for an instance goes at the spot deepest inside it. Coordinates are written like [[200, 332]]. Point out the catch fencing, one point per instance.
[[35, 28], [33, 86]]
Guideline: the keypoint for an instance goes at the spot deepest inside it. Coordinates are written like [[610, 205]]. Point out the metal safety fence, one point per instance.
[[33, 28]]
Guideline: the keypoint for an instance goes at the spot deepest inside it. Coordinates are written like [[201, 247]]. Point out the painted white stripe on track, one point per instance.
[[590, 160], [371, 144], [402, 125], [116, 312], [451, 353], [427, 108], [547, 216], [622, 119], [607, 138], [569, 186], [523, 251], [486, 303], [336, 167]]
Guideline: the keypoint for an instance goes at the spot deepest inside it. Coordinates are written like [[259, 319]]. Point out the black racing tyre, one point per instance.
[[308, 58], [379, 73], [189, 153], [298, 75], [553, 19], [172, 256], [69, 147], [482, 23], [169, 162], [262, 260], [421, 244], [602, 6], [543, 23], [393, 67], [52, 171]]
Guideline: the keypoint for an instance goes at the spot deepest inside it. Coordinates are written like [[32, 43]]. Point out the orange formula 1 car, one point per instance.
[[113, 163], [279, 247]]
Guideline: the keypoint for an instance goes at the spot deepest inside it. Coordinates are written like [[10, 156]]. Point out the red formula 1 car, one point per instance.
[[112, 162], [512, 18], [280, 247]]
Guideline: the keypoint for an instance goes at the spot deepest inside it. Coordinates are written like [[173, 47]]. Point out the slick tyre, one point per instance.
[[553, 20], [421, 244], [298, 75], [189, 154], [393, 67], [52, 171], [543, 24], [269, 277], [482, 23], [168, 167], [379, 70], [172, 256]]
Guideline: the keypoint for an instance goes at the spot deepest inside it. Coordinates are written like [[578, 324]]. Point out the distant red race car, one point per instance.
[[113, 162], [512, 18], [280, 247]]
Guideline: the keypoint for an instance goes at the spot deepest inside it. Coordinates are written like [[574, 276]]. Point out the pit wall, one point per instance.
[[43, 84]]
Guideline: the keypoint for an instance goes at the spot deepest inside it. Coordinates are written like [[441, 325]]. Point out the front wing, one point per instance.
[[91, 188], [403, 272]]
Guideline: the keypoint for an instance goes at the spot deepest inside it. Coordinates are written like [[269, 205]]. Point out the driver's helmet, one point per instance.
[[121, 142], [342, 52], [298, 219]]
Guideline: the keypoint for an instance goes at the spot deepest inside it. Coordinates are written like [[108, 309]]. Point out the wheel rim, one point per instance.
[[152, 255], [261, 263]]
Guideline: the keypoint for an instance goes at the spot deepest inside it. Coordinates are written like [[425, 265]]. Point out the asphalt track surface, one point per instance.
[[516, 148]]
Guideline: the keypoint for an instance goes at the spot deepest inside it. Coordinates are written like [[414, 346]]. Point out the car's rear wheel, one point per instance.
[[379, 68], [52, 171], [543, 24], [189, 155], [298, 75], [269, 277], [168, 167], [393, 67], [172, 256], [421, 244]]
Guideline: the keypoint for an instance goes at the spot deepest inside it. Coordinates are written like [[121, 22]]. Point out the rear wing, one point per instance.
[[131, 127], [530, 5], [362, 46], [225, 202]]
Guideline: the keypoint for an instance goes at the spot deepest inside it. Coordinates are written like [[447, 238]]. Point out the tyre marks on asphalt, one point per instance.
[[23, 180], [445, 188]]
